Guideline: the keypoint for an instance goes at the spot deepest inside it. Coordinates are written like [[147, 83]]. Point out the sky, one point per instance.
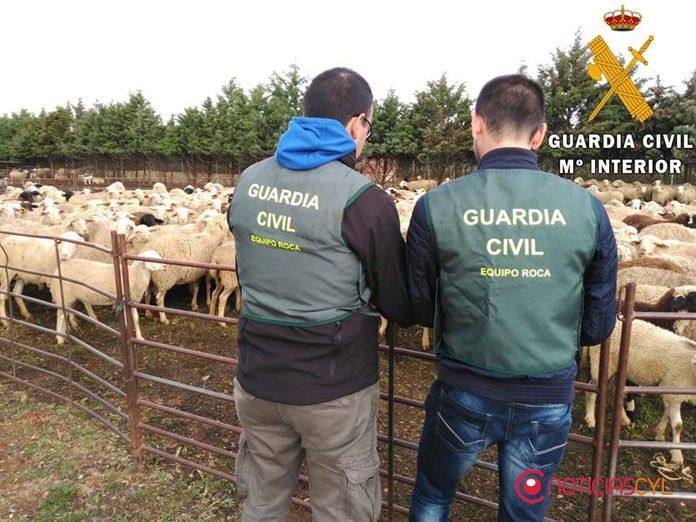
[[177, 53]]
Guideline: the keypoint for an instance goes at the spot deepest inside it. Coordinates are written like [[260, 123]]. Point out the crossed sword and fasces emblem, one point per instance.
[[606, 64]]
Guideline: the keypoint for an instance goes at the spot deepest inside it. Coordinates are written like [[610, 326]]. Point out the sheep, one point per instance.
[[626, 234], [149, 220], [625, 251], [679, 265], [226, 280], [620, 212], [604, 197], [191, 247], [160, 188], [651, 245], [656, 357], [653, 276], [654, 298], [30, 253], [686, 194], [135, 237], [425, 184], [653, 208], [663, 194], [670, 231], [641, 221], [99, 275], [631, 191]]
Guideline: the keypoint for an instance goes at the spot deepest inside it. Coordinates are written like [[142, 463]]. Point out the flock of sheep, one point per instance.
[[655, 229], [654, 225], [187, 224]]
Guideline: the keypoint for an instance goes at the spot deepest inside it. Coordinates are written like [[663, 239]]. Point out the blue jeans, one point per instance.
[[459, 425]]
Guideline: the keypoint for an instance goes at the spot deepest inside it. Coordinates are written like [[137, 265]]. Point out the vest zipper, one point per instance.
[[245, 355], [336, 341]]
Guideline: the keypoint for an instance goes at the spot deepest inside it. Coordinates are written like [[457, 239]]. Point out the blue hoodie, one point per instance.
[[311, 142]]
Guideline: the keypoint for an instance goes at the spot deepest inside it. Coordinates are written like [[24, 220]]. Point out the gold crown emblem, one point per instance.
[[622, 20]]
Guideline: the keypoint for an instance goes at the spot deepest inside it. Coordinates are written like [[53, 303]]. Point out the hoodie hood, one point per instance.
[[311, 142]]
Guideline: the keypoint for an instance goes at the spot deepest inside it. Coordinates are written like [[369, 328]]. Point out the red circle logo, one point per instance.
[[528, 486]]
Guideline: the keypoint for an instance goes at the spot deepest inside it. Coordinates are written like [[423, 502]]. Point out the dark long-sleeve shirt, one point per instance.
[[599, 311]]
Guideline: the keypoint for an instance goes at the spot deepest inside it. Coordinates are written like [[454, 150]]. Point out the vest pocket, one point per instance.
[[363, 490], [460, 428]]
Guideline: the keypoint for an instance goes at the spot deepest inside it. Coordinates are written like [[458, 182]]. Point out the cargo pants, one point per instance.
[[339, 441]]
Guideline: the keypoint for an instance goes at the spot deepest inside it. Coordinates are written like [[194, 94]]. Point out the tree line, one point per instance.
[[429, 136]]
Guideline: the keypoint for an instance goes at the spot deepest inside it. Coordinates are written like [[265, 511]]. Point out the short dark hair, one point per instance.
[[338, 93], [511, 104]]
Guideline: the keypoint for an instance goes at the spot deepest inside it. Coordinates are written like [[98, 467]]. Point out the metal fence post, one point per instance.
[[118, 249], [10, 313], [66, 321], [391, 342], [600, 421], [622, 368]]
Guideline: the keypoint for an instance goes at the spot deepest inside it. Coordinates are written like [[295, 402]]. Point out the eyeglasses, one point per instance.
[[369, 123]]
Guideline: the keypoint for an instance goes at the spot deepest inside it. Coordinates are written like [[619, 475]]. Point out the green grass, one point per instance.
[[61, 466]]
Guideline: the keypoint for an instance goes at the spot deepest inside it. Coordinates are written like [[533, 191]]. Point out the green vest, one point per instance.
[[293, 264], [512, 246]]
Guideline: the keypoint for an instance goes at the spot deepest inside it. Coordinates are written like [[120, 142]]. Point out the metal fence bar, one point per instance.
[[54, 306], [133, 377], [628, 316], [190, 416], [183, 313], [391, 341], [179, 349], [600, 420], [187, 440], [129, 359], [182, 386], [78, 367], [77, 404], [93, 288], [70, 382]]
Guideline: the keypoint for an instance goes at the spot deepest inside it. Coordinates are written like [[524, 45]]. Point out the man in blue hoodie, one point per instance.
[[319, 257]]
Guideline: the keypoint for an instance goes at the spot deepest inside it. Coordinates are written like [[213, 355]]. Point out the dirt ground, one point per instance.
[[413, 378]]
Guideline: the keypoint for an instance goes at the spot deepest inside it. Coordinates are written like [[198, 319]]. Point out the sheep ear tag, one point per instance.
[[678, 303]]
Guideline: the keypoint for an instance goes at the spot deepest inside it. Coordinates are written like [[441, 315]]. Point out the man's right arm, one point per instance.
[[599, 315], [422, 267]]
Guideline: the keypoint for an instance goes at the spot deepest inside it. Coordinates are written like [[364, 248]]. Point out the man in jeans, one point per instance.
[[319, 252], [514, 268]]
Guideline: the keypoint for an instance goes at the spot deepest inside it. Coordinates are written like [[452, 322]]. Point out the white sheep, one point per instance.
[[686, 194], [657, 357], [670, 231], [652, 276], [424, 184], [29, 253], [99, 275], [663, 194], [651, 245], [197, 247], [226, 280]]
